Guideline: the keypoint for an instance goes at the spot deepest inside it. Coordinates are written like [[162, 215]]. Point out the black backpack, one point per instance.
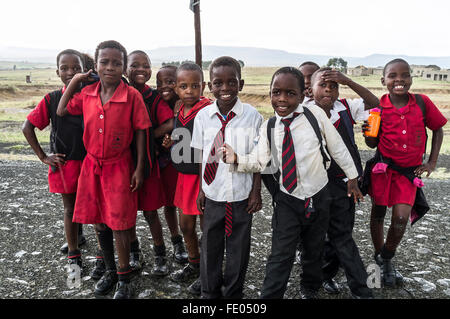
[[270, 177]]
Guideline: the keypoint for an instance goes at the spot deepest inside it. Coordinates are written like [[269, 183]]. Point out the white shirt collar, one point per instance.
[[299, 109], [238, 108]]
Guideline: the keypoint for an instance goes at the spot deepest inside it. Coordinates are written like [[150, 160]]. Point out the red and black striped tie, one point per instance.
[[213, 159], [289, 171], [228, 219]]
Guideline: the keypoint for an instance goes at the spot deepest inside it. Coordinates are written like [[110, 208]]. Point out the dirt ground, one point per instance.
[[31, 232]]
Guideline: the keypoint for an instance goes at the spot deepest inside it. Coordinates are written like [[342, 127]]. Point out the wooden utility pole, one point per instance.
[[195, 6]]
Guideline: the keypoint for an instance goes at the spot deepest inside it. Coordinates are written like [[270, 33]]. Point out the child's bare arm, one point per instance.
[[164, 128], [436, 142], [70, 91], [370, 100], [254, 199], [138, 176], [201, 195], [30, 136]]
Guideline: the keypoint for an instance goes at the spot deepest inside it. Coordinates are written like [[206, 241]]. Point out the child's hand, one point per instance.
[[227, 154], [201, 201], [335, 76], [353, 189], [167, 141], [137, 180], [83, 77], [54, 159], [254, 201], [428, 167]]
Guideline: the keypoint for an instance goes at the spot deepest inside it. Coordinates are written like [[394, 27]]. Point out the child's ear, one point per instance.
[[95, 67], [209, 86], [382, 81], [241, 84], [57, 72], [203, 86]]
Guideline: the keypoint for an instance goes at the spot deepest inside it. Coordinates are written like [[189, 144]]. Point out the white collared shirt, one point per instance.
[[311, 174], [241, 134]]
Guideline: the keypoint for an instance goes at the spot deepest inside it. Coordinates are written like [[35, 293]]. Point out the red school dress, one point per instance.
[[402, 139], [65, 138], [160, 112], [188, 179], [153, 193], [104, 193]]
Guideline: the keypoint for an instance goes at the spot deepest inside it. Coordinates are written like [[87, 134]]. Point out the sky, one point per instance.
[[345, 27]]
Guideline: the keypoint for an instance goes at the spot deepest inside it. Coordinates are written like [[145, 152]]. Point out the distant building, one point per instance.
[[361, 70], [419, 70], [438, 75]]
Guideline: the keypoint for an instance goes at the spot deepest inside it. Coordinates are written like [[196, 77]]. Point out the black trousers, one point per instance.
[[290, 222], [340, 248], [227, 283]]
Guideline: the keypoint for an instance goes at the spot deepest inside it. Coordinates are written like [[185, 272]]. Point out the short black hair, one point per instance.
[[112, 44], [290, 70], [398, 60], [140, 52], [190, 66], [89, 63], [320, 70], [225, 61], [170, 66], [309, 63], [70, 51]]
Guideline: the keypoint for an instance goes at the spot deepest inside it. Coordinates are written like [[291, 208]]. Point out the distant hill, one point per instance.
[[250, 56]]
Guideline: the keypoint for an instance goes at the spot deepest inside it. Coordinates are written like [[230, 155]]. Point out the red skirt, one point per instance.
[[186, 193], [151, 195], [391, 188], [169, 177], [104, 194], [65, 179]]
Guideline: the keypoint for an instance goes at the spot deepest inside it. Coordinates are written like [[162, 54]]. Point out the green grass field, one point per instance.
[[17, 97]]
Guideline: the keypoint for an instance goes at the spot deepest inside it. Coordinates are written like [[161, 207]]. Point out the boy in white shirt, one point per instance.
[[227, 199], [301, 205], [341, 249]]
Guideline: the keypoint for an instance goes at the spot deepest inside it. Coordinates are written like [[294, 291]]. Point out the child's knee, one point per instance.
[[151, 216], [378, 213]]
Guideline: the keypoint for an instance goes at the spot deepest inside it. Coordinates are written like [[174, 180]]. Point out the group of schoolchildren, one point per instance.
[[118, 146]]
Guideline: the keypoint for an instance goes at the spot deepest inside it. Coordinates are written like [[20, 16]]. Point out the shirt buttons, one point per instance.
[[404, 145], [404, 131], [101, 131], [402, 117], [101, 116]]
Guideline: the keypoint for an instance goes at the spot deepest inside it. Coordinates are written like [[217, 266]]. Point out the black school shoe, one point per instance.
[[179, 252], [398, 276], [160, 269], [196, 287], [98, 270], [81, 241], [188, 273], [306, 293], [330, 286], [106, 283], [136, 262], [124, 290]]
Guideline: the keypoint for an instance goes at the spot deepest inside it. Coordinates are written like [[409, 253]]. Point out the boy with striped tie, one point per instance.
[[226, 199], [297, 141]]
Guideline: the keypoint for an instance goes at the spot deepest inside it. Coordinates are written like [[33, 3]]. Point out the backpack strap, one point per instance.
[[313, 121], [421, 103], [347, 107]]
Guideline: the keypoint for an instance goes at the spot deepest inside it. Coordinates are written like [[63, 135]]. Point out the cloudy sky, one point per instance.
[[345, 27]]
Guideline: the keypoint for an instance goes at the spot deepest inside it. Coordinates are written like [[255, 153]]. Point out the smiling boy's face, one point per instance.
[[166, 80], [285, 94], [397, 78], [325, 92], [138, 69], [225, 85]]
